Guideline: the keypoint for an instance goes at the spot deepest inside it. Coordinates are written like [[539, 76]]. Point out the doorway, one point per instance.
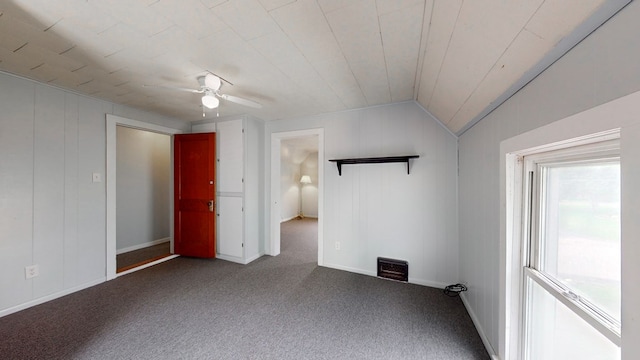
[[143, 173], [113, 123], [285, 206]]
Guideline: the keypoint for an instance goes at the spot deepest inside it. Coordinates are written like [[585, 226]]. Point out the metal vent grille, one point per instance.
[[393, 269]]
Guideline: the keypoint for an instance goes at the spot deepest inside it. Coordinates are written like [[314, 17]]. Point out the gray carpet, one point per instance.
[[282, 307], [130, 258]]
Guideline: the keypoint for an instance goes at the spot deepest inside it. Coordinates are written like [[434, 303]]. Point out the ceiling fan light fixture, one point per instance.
[[210, 101]]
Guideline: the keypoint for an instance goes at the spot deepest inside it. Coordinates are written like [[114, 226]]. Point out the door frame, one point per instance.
[[112, 122], [276, 143]]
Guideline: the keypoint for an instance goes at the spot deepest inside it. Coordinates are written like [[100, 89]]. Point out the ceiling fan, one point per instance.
[[210, 85]]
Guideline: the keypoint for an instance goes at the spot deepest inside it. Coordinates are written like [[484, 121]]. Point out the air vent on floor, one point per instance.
[[393, 269]]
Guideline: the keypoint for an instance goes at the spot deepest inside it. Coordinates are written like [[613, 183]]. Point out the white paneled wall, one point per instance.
[[51, 212], [601, 68], [377, 209]]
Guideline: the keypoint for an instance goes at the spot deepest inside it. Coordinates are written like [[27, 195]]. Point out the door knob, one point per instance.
[[211, 205]]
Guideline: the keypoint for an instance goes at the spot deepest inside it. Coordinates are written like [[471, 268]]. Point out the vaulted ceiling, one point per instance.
[[456, 58]]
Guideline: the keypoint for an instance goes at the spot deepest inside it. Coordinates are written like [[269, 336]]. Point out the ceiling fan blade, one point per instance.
[[241, 101], [212, 82], [200, 91]]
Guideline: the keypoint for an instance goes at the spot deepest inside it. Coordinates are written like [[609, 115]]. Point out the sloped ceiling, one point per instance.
[[456, 58]]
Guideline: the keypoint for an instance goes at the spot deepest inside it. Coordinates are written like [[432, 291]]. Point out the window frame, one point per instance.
[[533, 165]]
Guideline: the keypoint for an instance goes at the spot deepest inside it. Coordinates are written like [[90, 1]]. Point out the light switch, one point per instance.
[[97, 178]]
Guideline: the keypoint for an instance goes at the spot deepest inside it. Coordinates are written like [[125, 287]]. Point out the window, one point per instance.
[[571, 232]]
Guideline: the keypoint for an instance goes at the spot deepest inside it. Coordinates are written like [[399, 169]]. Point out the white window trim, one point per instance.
[[596, 146], [618, 116]]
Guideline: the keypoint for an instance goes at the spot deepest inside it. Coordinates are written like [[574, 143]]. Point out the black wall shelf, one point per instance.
[[374, 160]]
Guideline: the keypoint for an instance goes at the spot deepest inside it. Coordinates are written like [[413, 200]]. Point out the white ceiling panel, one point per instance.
[[443, 21], [333, 5], [135, 14], [278, 49], [47, 73], [469, 58], [74, 19], [401, 30], [212, 3], [521, 55], [10, 42], [296, 57], [389, 6], [124, 38], [339, 77], [274, 4], [556, 18], [246, 17], [357, 30], [305, 24], [190, 15], [36, 36], [30, 11]]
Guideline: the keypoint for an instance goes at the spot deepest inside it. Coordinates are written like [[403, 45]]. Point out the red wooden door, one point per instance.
[[194, 192]]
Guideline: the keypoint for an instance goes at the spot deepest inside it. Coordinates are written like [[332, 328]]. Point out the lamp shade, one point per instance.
[[210, 101], [305, 179]]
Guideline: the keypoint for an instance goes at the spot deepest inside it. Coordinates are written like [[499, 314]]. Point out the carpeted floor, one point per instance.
[[283, 307], [131, 258]]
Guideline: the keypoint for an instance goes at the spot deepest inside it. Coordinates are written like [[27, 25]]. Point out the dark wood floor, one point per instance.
[[132, 259]]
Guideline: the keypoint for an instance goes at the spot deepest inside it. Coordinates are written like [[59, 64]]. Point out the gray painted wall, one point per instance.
[[289, 190], [601, 68], [309, 192], [143, 175], [377, 209], [51, 213], [295, 163]]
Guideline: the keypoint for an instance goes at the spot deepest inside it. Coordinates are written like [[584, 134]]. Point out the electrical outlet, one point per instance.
[[31, 271], [337, 245]]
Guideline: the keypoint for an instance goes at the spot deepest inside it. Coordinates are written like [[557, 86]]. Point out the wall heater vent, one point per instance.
[[393, 269]]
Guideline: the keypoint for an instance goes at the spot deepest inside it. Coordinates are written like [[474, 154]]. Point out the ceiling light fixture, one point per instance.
[[210, 101]]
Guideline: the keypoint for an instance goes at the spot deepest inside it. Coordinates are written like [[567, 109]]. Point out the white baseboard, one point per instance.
[[422, 282], [149, 264], [234, 259], [253, 258], [350, 269], [433, 284], [295, 217], [142, 246], [476, 323], [50, 297], [238, 260]]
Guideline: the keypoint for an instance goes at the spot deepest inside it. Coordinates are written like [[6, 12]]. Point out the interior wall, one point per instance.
[[51, 212], [309, 192], [377, 209], [289, 186], [143, 174], [601, 68]]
